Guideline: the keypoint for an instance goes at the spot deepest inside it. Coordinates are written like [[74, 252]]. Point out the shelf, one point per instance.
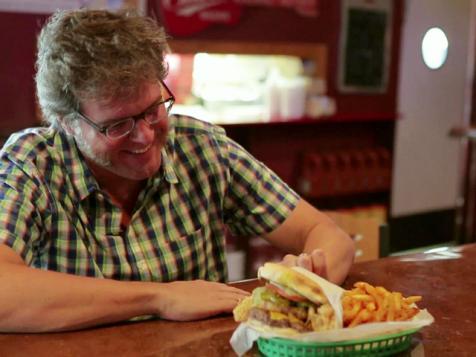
[[338, 118], [253, 120], [316, 52], [350, 200]]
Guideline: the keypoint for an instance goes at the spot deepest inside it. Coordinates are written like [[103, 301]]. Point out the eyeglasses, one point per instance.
[[158, 111]]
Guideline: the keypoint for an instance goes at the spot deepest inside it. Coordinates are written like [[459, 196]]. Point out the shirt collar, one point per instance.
[[81, 175], [168, 157]]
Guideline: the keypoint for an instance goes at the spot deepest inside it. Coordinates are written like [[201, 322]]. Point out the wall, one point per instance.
[[17, 90]]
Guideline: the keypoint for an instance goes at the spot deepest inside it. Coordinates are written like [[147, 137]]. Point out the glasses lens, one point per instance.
[[159, 112], [168, 104], [120, 129]]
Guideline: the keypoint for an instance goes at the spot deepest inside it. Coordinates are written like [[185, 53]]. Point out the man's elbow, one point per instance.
[[349, 247], [351, 251]]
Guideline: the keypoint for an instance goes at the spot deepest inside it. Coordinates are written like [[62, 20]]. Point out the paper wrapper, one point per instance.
[[245, 335]]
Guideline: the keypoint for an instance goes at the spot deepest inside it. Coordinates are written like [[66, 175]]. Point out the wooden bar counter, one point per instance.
[[446, 279]]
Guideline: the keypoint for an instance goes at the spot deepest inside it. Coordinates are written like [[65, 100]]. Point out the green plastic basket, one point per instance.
[[377, 346]]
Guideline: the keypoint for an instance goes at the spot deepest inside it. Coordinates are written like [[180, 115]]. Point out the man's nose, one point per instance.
[[142, 132]]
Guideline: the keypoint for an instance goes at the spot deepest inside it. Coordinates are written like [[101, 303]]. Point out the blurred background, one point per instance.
[[365, 107]]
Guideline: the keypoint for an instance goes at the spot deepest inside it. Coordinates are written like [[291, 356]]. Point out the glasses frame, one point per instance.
[[104, 128]]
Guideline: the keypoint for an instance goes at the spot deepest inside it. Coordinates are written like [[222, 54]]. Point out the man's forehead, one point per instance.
[[107, 95]]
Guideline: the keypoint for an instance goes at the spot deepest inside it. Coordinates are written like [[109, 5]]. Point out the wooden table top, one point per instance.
[[445, 279]]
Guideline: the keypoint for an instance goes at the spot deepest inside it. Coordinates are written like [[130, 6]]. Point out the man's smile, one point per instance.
[[141, 151]]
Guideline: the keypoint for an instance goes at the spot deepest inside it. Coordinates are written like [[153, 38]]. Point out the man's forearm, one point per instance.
[[307, 229], [37, 301]]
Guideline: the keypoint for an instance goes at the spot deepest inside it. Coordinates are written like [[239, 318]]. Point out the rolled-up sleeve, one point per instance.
[[19, 219], [257, 201]]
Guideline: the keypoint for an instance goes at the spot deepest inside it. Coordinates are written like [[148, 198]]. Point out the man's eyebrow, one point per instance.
[[159, 100], [118, 120], [114, 121]]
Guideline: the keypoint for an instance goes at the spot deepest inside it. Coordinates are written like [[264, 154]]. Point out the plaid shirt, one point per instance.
[[56, 217]]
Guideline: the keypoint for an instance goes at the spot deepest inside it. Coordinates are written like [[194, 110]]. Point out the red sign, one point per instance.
[[185, 17], [303, 7]]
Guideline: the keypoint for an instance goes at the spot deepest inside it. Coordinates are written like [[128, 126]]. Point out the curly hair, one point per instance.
[[96, 54]]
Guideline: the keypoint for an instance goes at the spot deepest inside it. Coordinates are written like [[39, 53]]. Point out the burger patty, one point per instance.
[[299, 312], [264, 317]]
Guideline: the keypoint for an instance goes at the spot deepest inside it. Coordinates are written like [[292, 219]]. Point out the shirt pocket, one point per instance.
[[185, 256]]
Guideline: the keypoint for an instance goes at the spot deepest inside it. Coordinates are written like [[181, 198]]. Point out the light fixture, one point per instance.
[[434, 48]]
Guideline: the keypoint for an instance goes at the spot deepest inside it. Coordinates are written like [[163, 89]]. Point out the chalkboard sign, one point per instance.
[[365, 46]]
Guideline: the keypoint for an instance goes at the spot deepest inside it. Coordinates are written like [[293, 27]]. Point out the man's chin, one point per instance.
[[138, 174]]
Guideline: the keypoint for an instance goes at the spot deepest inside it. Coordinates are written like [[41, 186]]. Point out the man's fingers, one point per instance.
[[235, 290], [304, 261], [319, 263], [229, 300], [315, 262], [196, 299], [289, 260]]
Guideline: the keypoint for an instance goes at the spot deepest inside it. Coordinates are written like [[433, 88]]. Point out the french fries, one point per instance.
[[367, 303]]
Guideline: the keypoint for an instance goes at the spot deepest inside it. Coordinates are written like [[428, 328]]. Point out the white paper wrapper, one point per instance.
[[245, 335]]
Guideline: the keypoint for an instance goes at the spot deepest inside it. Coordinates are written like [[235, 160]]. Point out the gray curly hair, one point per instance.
[[95, 54]]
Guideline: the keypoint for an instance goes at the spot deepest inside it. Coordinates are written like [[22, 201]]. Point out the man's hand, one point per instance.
[[197, 299], [315, 262]]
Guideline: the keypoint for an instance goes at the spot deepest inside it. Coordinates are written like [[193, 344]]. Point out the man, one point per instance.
[[117, 210]]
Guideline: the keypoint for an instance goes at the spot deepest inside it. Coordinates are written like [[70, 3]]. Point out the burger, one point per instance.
[[290, 302]]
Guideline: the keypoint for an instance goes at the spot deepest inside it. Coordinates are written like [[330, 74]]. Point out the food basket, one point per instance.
[[385, 345]]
